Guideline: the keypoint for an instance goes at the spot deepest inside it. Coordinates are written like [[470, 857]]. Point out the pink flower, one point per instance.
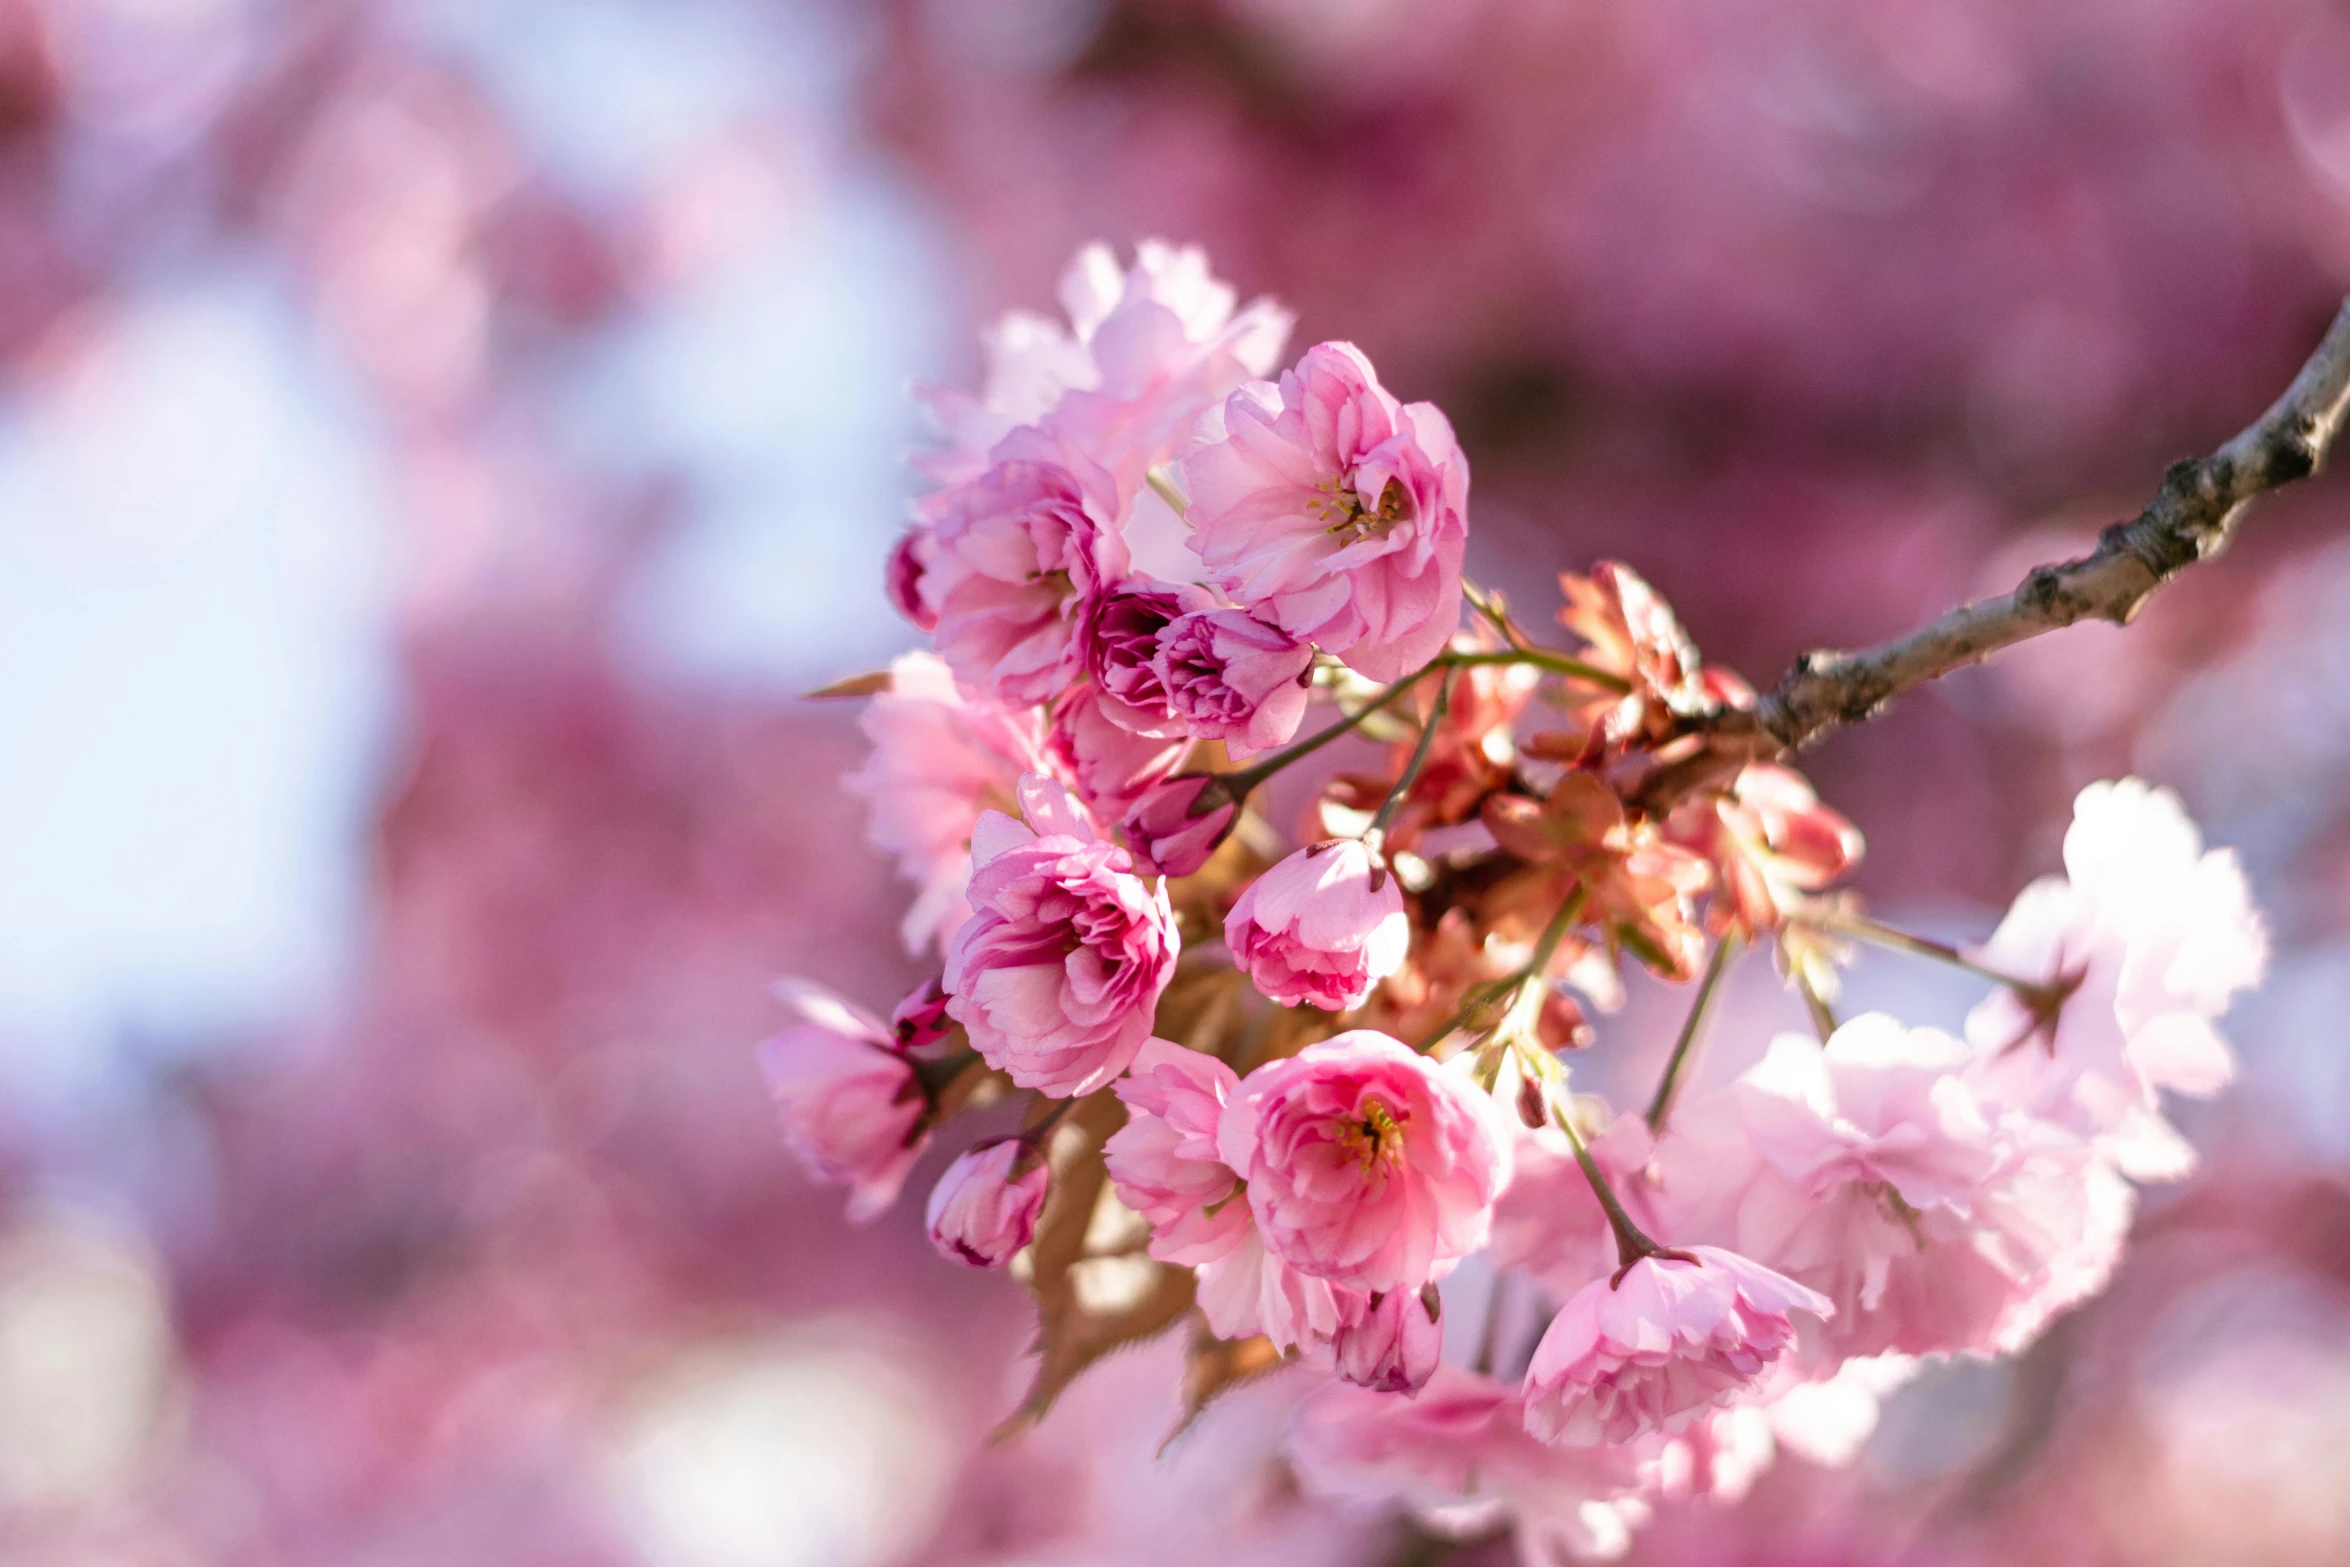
[[1336, 512], [1111, 766], [1166, 1167], [1389, 1342], [1119, 638], [1014, 553], [1059, 971], [1367, 1164], [1320, 928], [1871, 1170], [1660, 1343], [2148, 937], [902, 574], [1142, 352], [1459, 1458], [852, 1109], [1176, 825], [1226, 675], [940, 758], [921, 1019], [984, 1207]]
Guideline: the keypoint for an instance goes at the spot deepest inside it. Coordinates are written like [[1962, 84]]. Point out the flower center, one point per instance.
[[1344, 516], [1373, 1135]]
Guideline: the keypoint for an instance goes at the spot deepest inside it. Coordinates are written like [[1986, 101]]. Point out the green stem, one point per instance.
[[1691, 1029], [1545, 947], [1241, 783], [1631, 1243], [1823, 1016], [1861, 928], [1411, 771], [1542, 658]]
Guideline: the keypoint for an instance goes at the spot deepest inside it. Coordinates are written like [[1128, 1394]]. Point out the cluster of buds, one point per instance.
[[1306, 1082]]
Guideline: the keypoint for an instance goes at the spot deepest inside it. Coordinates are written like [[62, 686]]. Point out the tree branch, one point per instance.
[[2191, 518]]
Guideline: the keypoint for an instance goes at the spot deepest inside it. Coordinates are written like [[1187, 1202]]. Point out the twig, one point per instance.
[[2192, 517]]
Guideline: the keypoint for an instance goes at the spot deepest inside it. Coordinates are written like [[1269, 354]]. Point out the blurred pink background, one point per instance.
[[441, 437]]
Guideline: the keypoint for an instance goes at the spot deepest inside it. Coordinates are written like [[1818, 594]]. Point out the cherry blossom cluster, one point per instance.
[[1276, 874]]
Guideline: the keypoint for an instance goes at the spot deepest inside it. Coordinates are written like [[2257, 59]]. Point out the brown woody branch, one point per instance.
[[2191, 518]]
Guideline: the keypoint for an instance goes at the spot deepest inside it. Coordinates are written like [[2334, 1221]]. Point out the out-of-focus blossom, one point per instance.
[[1230, 676], [903, 574], [1336, 511], [1146, 348], [851, 1105], [1460, 1458], [2141, 945], [984, 1207], [940, 759], [1367, 1164], [1668, 1337], [1870, 1170], [1056, 975], [1321, 927], [1177, 824], [1389, 1342]]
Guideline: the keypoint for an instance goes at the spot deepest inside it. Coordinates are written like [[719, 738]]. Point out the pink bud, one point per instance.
[[1226, 675], [902, 578], [921, 1019], [1321, 928], [1178, 823], [1390, 1342], [984, 1208]]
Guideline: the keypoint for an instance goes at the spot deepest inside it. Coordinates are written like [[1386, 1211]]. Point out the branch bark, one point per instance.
[[2192, 517]]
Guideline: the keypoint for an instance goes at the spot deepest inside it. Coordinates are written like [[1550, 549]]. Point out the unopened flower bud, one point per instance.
[[1321, 928], [921, 1019], [1390, 1342], [984, 1208], [1178, 824]]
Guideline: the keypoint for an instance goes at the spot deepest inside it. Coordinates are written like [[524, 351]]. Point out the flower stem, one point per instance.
[[1411, 770], [2041, 995], [1823, 1016], [1631, 1243], [1542, 658], [1156, 478], [1545, 947], [1692, 1028], [1242, 782]]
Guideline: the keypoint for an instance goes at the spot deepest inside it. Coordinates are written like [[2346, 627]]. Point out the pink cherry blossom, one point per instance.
[[1335, 511], [940, 758], [1661, 1342], [1142, 351], [1176, 825], [1118, 636], [1015, 551], [1390, 1342], [921, 1019], [1110, 765], [2147, 937], [1057, 974], [1459, 1458], [984, 1207], [1367, 1164], [1166, 1166], [902, 574], [1227, 675], [852, 1109], [1321, 927], [1871, 1170]]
